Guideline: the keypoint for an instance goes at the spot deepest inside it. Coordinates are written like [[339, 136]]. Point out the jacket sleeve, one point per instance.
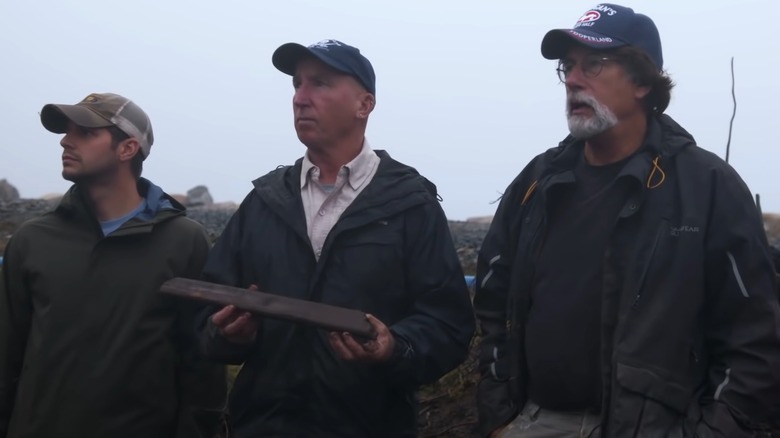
[[435, 338], [15, 319], [494, 264], [202, 383], [223, 266], [742, 316]]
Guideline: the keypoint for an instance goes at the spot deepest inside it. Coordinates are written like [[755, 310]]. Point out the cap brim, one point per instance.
[[557, 42], [287, 56], [55, 118]]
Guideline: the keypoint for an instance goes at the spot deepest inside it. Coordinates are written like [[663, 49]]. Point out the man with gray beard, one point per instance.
[[625, 287]]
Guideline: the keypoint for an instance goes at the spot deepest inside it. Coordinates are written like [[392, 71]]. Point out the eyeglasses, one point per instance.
[[591, 66]]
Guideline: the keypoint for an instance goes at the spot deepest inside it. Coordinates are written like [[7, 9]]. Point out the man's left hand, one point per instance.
[[376, 350]]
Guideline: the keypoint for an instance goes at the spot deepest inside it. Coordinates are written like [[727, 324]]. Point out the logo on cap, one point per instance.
[[324, 44], [91, 98], [589, 16], [588, 19], [590, 39]]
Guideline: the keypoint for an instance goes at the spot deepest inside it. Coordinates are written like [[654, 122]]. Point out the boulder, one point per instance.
[[198, 196], [8, 192]]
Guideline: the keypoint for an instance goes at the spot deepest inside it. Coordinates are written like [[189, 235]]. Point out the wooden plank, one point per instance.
[[331, 318]]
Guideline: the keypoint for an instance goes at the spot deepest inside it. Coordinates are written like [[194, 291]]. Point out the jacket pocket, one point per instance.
[[644, 404], [374, 250], [370, 261], [373, 235]]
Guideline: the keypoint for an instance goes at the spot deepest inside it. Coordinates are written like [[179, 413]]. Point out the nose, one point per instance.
[[575, 80], [66, 142], [301, 96]]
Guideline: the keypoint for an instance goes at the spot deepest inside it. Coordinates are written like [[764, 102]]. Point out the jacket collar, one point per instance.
[[665, 138], [357, 170], [394, 188], [159, 207]]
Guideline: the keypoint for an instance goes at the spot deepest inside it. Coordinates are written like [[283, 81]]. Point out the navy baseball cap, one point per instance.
[[607, 26], [334, 53]]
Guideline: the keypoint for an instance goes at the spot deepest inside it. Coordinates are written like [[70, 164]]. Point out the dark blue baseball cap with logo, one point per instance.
[[607, 26], [334, 53]]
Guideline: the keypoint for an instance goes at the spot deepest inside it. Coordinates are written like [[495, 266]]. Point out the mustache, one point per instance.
[[580, 98], [583, 127]]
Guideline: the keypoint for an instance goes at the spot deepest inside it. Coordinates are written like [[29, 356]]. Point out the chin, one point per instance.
[[306, 139], [75, 177], [69, 175], [584, 128]]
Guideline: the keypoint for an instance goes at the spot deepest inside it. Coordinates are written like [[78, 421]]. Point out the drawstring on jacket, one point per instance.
[[661, 173], [650, 184], [530, 192]]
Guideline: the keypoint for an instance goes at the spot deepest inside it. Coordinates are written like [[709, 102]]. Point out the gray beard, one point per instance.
[[586, 127]]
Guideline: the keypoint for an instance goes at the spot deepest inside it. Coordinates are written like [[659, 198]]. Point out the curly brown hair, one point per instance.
[[644, 72]]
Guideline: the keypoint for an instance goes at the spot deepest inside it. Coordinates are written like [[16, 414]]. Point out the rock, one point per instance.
[[198, 196], [228, 205], [467, 237], [182, 199], [481, 219], [14, 213], [8, 192], [52, 197], [212, 218], [772, 228]]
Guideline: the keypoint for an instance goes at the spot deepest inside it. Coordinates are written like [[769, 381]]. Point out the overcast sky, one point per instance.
[[463, 93]]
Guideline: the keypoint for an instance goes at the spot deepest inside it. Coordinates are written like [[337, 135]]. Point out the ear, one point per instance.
[[641, 91], [128, 148], [365, 105]]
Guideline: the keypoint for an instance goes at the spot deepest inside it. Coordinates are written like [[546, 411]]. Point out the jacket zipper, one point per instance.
[[646, 267]]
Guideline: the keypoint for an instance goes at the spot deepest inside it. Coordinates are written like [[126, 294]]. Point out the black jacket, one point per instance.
[[690, 319], [88, 346], [390, 254]]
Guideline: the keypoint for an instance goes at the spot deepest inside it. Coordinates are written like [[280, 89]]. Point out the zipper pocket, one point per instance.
[[640, 284]]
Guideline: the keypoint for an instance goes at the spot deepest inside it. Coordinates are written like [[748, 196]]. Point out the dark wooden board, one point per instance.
[[269, 305]]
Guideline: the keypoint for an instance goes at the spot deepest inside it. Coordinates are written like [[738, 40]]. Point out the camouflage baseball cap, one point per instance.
[[101, 110]]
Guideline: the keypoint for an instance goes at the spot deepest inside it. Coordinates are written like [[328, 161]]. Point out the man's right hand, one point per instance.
[[235, 325]]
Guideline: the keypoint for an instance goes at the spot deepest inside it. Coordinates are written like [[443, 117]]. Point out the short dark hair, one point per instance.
[[118, 136], [644, 72]]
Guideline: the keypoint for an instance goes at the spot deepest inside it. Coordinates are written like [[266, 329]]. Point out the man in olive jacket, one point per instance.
[[625, 287], [88, 346]]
